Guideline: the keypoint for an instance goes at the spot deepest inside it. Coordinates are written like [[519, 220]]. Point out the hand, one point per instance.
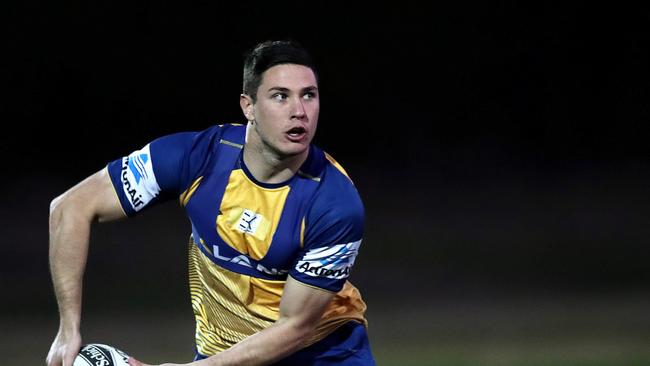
[[64, 349]]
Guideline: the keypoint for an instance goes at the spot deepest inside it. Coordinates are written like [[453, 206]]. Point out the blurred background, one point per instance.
[[501, 151]]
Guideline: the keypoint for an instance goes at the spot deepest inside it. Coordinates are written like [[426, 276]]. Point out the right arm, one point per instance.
[[71, 216], [161, 169]]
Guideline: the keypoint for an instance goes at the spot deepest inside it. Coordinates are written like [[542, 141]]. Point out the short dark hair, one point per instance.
[[268, 54]]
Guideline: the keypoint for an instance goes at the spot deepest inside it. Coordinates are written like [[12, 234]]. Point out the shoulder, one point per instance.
[[334, 182], [180, 158], [193, 140], [234, 133], [196, 147], [337, 201]]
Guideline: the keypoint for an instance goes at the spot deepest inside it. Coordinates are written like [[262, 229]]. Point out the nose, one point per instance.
[[298, 109]]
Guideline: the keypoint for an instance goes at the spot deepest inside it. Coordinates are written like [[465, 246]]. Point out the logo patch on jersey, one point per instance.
[[138, 180], [330, 262], [249, 222], [137, 166]]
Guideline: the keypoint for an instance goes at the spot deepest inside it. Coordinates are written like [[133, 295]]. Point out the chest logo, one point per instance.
[[249, 221]]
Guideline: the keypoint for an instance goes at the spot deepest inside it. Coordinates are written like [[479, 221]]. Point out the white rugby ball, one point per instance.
[[97, 354]]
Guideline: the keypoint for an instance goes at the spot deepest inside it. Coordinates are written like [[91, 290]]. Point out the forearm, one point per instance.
[[69, 235], [271, 344]]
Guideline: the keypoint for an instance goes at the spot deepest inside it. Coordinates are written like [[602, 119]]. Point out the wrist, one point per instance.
[[69, 328]]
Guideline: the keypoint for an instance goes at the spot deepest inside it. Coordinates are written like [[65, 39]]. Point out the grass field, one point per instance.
[[594, 352], [519, 331], [593, 331]]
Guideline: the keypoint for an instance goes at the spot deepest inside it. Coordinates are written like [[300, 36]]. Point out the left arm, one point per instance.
[[301, 308]]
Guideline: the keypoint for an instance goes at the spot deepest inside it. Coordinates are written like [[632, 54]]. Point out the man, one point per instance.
[[276, 226]]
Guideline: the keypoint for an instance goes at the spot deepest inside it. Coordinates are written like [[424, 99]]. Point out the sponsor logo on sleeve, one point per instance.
[[138, 180], [332, 262]]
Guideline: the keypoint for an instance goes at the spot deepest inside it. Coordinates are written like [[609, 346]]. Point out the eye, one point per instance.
[[279, 96], [309, 95]]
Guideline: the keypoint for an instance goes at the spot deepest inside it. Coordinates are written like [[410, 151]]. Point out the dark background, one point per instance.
[[500, 149]]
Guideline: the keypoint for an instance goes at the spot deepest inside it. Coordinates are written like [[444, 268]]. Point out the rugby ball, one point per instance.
[[96, 354]]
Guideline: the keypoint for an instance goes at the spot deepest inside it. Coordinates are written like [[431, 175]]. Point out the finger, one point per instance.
[[51, 360], [53, 357], [68, 359]]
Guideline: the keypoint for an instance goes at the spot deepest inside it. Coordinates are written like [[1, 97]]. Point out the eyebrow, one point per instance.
[[282, 89]]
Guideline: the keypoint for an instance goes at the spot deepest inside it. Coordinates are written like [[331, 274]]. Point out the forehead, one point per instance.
[[290, 76]]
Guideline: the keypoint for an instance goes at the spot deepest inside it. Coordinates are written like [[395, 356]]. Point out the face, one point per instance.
[[286, 110]]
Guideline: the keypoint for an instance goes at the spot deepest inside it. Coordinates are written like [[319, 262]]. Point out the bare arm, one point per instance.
[[71, 216]]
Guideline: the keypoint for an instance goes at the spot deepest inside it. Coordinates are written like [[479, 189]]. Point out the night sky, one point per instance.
[[495, 146]]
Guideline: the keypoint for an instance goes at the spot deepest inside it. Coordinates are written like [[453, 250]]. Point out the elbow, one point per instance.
[[67, 207], [301, 331], [306, 330], [55, 204], [55, 210]]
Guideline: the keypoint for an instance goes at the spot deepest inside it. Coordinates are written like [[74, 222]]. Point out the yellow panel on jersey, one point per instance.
[[219, 299], [345, 306], [250, 214], [185, 196], [230, 307]]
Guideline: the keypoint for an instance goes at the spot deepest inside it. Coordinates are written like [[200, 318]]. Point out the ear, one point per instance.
[[247, 106]]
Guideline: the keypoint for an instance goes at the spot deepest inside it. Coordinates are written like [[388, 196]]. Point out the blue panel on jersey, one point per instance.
[[174, 161], [334, 229], [115, 172]]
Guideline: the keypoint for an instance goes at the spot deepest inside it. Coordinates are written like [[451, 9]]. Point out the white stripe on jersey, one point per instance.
[[138, 179]]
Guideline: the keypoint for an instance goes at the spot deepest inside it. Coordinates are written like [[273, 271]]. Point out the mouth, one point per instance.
[[296, 134]]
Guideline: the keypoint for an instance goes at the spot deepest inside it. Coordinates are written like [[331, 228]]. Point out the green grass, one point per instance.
[[171, 342], [515, 354], [569, 351], [598, 331]]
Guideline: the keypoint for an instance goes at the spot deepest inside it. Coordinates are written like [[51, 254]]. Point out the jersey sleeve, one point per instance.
[[333, 233], [160, 170]]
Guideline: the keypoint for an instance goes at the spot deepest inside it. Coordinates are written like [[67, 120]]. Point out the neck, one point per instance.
[[268, 166]]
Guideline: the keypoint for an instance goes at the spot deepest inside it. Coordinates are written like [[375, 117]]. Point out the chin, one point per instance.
[[293, 149]]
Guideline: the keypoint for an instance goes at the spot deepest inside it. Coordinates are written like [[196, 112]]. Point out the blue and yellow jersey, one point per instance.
[[248, 236]]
